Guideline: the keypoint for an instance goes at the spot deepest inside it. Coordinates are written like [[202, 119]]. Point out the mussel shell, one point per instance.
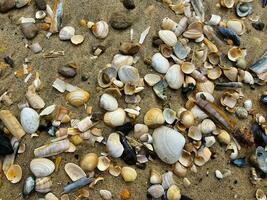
[[5, 145], [129, 154], [260, 137], [229, 34], [180, 51], [28, 187], [261, 157], [126, 128]]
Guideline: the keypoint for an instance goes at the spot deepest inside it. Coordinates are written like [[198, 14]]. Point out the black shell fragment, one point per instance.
[[229, 34], [5, 145], [129, 154]]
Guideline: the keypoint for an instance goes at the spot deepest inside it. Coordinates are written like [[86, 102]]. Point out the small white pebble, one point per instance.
[[218, 174]]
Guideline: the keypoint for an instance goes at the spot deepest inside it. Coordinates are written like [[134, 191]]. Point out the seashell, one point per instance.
[[120, 60], [198, 113], [50, 196], [152, 79], [214, 20], [187, 118], [209, 141], [179, 170], [40, 14], [237, 26], [207, 126], [248, 104], [41, 167], [154, 117], [14, 173], [169, 115], [128, 74], [227, 3], [231, 73], [100, 29], [159, 63], [108, 102], [43, 185], [139, 130], [28, 187], [180, 51], [175, 77], [224, 137], [248, 78], [155, 177], [103, 163], [214, 58], [77, 39], [241, 113], [106, 76], [208, 96], [165, 50], [114, 146], [206, 86], [52, 149], [219, 174], [115, 118], [114, 170], [187, 67], [192, 34], [129, 48], [78, 97], [174, 193], [29, 120], [147, 138], [229, 34], [67, 71], [168, 24], [89, 162], [35, 101], [194, 133], [128, 174], [85, 124], [74, 171], [186, 159], [160, 89], [243, 9], [211, 46], [156, 191], [260, 195], [181, 26], [203, 156], [178, 8], [167, 180], [105, 194], [168, 37], [168, 144], [229, 100]]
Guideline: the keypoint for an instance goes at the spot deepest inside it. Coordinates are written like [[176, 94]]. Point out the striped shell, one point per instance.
[[168, 37], [78, 97], [100, 29], [74, 171], [43, 185], [41, 167]]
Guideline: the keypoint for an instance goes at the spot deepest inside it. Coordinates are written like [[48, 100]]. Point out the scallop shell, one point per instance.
[[77, 39], [194, 133], [168, 24], [29, 120], [108, 102], [187, 67], [43, 185], [128, 174], [114, 170], [168, 37], [234, 54], [100, 29], [152, 79], [66, 33], [106, 76], [156, 191], [14, 173], [167, 180], [155, 177], [105, 194], [154, 117], [128, 74], [168, 144], [237, 26], [78, 97], [169, 115], [175, 77], [179, 170], [115, 118], [159, 63], [174, 193], [120, 60], [114, 146], [74, 171], [103, 163], [227, 3], [41, 167]]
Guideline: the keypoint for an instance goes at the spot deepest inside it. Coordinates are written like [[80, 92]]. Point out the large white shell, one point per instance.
[[114, 146], [66, 33], [160, 63], [115, 118], [168, 37], [41, 167], [108, 102], [168, 144], [175, 77], [43, 185], [120, 60], [29, 119], [100, 29], [129, 74], [74, 171]]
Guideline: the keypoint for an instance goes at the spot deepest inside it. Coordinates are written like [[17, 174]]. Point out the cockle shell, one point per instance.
[[43, 185], [159, 63], [167, 180], [114, 146], [231, 73], [100, 29], [168, 144], [234, 54], [128, 174], [175, 77], [187, 67], [168, 37], [173, 193], [89, 162], [187, 118], [78, 97], [128, 74], [29, 120], [34, 99], [206, 86], [74, 171], [168, 24], [154, 117], [105, 194], [115, 118], [120, 60], [103, 163], [41, 167], [194, 133], [66, 33], [152, 79], [52, 149], [156, 191], [14, 173], [108, 102]]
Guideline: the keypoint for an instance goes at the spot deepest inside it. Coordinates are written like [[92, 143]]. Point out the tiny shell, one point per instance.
[[89, 162], [115, 118], [248, 104], [29, 120], [108, 102], [154, 117], [218, 174], [114, 170], [40, 14], [103, 163], [114, 146], [186, 159], [209, 141], [78, 97], [227, 3], [41, 167], [152, 79], [207, 126], [74, 171], [77, 39], [156, 191], [100, 29], [159, 63], [224, 137], [168, 37], [165, 50], [241, 113], [173, 193], [175, 77], [14, 173], [169, 115], [105, 194], [231, 73], [43, 185], [128, 174]]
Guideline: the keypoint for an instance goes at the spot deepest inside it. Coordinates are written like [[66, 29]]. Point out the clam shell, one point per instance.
[[168, 24], [89, 162], [114, 146], [165, 50], [128, 174], [108, 102], [100, 29], [168, 37], [156, 191], [114, 170], [203, 156], [152, 79], [159, 63], [174, 193], [231, 73], [66, 33], [187, 118], [115, 118], [128, 74], [154, 117], [214, 73], [214, 58], [194, 133], [206, 86], [14, 173], [192, 34], [187, 67], [168, 144], [50, 196], [167, 180], [179, 170], [74, 171], [77, 39], [78, 97], [227, 3], [155, 177], [40, 14], [210, 141], [29, 119], [106, 76], [207, 126], [48, 110], [237, 26], [120, 60], [186, 159], [175, 77], [103, 163], [139, 130], [180, 51], [234, 54], [169, 115], [43, 185], [105, 194], [243, 9], [41, 167]]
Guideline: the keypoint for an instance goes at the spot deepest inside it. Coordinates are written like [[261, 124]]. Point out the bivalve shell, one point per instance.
[[128, 74], [227, 3], [159, 63], [114, 146], [50, 196], [152, 79], [168, 24], [187, 67], [174, 193], [89, 162], [175, 77], [120, 60], [128, 174], [41, 167], [103, 163], [234, 54], [187, 118], [224, 137], [179, 170], [66, 33], [108, 102], [194, 133], [192, 34], [100, 29], [243, 9], [40, 14], [168, 37], [78, 97], [115, 118], [29, 119], [105, 194], [237, 26], [154, 117], [167, 180], [77, 39], [156, 191], [155, 177], [43, 185], [260, 195], [207, 126], [169, 115], [14, 173], [114, 170], [74, 171], [139, 130]]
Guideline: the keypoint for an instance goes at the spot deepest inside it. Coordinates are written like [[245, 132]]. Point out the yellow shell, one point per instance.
[[128, 174], [14, 173], [89, 162], [154, 117], [78, 97]]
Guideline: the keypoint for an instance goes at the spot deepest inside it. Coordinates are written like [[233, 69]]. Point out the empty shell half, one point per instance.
[[14, 173], [78, 97], [74, 171]]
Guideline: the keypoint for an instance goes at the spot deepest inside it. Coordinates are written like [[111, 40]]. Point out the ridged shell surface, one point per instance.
[[42, 167]]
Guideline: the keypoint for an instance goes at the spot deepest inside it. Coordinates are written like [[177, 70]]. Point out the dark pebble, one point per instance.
[[121, 20], [183, 197], [263, 99], [7, 5], [126, 128], [129, 4], [29, 30], [129, 48], [40, 4], [156, 41], [10, 61], [84, 77], [67, 72], [259, 26]]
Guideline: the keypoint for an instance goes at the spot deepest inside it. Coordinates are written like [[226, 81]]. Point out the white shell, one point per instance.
[[248, 104], [194, 133], [139, 130], [120, 60], [168, 144], [105, 194], [237, 26], [156, 191], [40, 14], [108, 102], [169, 115], [175, 77], [209, 141], [103, 163], [77, 39], [85, 124], [218, 174], [248, 78], [167, 180], [43, 185], [115, 118], [66, 33], [29, 119], [129, 74], [50, 196], [41, 167], [114, 146], [207, 126], [160, 63], [74, 171], [214, 20], [100, 29], [152, 79], [168, 37]]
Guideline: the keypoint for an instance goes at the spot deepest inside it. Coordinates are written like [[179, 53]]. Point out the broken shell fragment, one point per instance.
[[168, 37], [100, 29], [154, 117], [207, 126], [187, 67], [168, 24], [41, 167], [128, 174], [115, 118], [74, 171], [114, 146], [78, 97], [29, 120], [43, 185], [114, 170], [77, 39], [106, 76], [14, 173], [66, 33], [159, 63], [260, 195], [89, 162], [156, 191], [103, 163]]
